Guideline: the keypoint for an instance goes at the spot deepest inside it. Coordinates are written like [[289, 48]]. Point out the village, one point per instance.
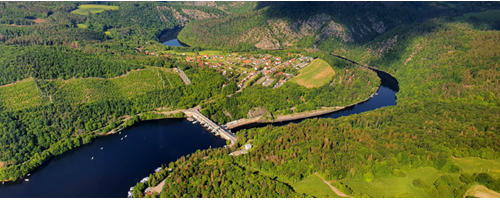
[[244, 69]]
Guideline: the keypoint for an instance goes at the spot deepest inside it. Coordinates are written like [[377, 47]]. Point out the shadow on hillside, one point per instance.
[[405, 37]]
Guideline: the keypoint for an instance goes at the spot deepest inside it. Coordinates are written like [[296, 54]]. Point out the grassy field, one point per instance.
[[474, 165], [81, 26], [314, 186], [92, 8], [25, 93], [211, 53], [488, 15], [392, 186], [201, 53], [179, 53], [123, 87], [22, 94], [481, 192], [315, 74]]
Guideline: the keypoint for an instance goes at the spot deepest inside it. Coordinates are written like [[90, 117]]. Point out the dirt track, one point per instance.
[[337, 191]]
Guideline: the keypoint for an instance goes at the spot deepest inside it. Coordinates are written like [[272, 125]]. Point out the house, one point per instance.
[[148, 190], [206, 56], [230, 67], [221, 56], [278, 58], [277, 62], [187, 59], [248, 146], [289, 54], [268, 63], [280, 73], [247, 61], [145, 179], [158, 169], [240, 85], [230, 62], [252, 73], [236, 153], [257, 62], [256, 68]]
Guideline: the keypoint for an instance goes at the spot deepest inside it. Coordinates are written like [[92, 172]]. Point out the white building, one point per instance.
[[248, 146]]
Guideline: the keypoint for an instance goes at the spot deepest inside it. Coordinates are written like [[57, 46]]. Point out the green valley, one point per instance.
[[405, 97]]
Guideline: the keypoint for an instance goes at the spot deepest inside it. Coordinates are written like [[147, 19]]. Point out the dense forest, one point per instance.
[[447, 110]]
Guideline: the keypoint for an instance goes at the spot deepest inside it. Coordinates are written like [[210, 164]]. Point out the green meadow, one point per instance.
[[20, 95], [25, 93], [314, 186], [124, 87], [315, 74], [92, 8]]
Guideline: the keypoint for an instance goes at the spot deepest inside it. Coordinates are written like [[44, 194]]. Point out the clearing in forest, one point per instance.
[[314, 186], [27, 93], [20, 95], [316, 74], [481, 192], [390, 186], [92, 8], [135, 83], [473, 165]]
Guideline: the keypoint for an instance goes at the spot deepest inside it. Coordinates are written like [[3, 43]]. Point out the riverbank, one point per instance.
[[295, 116], [169, 114]]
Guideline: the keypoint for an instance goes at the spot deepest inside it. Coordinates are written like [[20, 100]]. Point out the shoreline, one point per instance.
[[297, 116]]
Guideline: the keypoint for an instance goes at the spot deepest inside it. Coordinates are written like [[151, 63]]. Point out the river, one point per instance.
[[148, 145]]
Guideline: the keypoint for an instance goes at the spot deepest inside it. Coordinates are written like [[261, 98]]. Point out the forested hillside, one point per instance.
[[446, 117], [306, 24], [55, 23]]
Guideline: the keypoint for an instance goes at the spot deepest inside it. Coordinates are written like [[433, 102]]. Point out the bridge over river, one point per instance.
[[218, 130]]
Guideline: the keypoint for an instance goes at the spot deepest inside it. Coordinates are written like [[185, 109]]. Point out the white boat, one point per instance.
[[122, 139], [92, 158], [125, 136], [26, 179], [102, 148], [120, 132], [131, 188], [29, 174], [194, 122], [376, 93]]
